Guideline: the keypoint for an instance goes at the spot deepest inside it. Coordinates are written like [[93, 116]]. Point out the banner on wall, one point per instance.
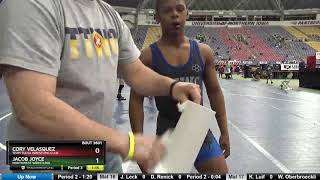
[[252, 23], [318, 58], [289, 67], [263, 62], [306, 23], [228, 23], [233, 63], [241, 23], [318, 55]]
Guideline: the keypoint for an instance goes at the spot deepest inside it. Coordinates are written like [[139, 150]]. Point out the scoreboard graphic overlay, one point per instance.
[[59, 155]]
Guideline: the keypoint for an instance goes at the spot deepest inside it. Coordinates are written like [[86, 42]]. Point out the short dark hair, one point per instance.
[[157, 8]]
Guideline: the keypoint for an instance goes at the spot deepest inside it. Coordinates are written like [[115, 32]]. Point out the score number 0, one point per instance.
[[97, 151]]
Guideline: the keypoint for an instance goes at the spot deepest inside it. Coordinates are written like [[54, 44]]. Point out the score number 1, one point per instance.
[[97, 151]]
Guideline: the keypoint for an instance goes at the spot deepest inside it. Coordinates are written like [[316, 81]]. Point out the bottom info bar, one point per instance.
[[98, 176], [209, 176]]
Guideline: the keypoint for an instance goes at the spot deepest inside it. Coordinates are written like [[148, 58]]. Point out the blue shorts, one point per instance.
[[209, 150]]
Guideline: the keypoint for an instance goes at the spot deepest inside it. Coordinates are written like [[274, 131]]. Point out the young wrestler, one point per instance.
[[178, 57]]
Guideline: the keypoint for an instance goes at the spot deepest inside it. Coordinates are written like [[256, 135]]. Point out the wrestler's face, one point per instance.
[[172, 15]]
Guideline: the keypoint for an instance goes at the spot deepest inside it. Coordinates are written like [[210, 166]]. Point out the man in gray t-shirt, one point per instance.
[[59, 60]]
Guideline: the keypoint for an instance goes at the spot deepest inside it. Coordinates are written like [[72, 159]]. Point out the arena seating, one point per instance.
[[216, 43], [313, 34], [305, 33], [213, 39], [269, 43], [140, 35], [153, 34], [290, 48]]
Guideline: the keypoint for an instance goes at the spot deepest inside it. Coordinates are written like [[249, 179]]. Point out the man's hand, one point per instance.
[[186, 91], [225, 145], [148, 152]]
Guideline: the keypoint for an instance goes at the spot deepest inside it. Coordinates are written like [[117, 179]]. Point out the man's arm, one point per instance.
[[146, 82], [136, 112], [33, 100], [33, 63], [32, 95], [215, 95]]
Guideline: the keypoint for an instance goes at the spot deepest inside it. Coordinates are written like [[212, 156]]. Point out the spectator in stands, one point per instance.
[[167, 56]]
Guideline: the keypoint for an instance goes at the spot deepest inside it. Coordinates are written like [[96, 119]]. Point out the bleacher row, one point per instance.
[[270, 43]]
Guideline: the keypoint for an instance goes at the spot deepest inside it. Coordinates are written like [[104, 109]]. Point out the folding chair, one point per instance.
[[285, 83]]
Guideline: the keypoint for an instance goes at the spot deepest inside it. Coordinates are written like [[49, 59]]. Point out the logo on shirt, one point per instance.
[[97, 39], [196, 68], [190, 79], [102, 42]]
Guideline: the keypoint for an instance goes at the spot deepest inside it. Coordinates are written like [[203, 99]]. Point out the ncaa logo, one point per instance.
[[196, 68]]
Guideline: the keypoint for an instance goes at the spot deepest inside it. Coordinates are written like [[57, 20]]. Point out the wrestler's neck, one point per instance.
[[176, 40]]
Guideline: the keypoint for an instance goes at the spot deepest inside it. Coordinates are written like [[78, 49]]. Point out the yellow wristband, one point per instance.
[[131, 146]]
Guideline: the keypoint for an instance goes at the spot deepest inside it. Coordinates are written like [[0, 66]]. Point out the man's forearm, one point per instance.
[[50, 116], [218, 104], [145, 81], [150, 83]]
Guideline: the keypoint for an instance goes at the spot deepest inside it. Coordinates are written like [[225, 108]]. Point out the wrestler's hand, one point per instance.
[[225, 145]]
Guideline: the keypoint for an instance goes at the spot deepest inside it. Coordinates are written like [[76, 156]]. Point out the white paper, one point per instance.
[[184, 143]]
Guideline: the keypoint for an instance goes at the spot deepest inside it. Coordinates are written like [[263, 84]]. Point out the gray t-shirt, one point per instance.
[[81, 42]]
